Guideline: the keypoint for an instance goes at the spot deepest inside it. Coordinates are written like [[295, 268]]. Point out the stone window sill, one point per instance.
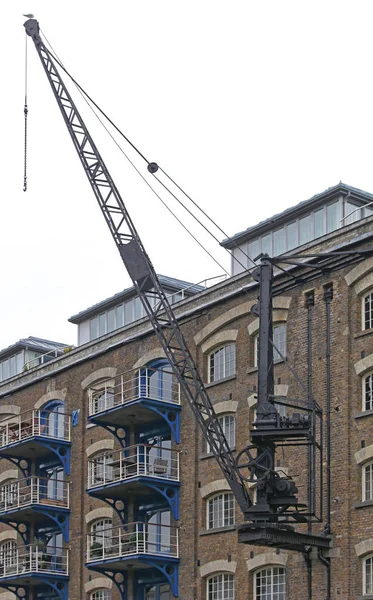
[[224, 380], [217, 530], [356, 336], [365, 413], [361, 505], [367, 597]]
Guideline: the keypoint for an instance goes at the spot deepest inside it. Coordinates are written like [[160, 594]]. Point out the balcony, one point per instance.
[[136, 470], [34, 499], [137, 542], [21, 563], [137, 395], [34, 434]]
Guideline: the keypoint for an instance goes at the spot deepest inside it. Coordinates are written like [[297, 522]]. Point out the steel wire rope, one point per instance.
[[87, 99], [87, 96], [25, 113]]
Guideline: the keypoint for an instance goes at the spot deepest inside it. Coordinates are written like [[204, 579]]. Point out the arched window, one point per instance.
[[222, 363], [367, 481], [279, 343], [161, 591], [221, 587], [220, 510], [8, 557], [368, 575], [53, 419], [101, 536], [228, 425], [270, 584], [9, 494], [368, 392], [156, 382], [367, 311], [101, 595], [100, 469]]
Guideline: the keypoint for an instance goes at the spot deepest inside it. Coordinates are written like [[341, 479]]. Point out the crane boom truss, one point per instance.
[[143, 275]]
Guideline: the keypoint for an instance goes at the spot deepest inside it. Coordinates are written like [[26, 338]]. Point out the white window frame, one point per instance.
[[283, 350], [225, 425], [281, 571], [225, 514], [102, 528], [227, 368], [367, 395], [368, 296], [103, 594], [367, 469], [367, 591], [221, 579]]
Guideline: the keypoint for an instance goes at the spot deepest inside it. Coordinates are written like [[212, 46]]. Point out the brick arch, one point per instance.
[[227, 406], [104, 373], [364, 365], [219, 485], [221, 337], [8, 535], [364, 547], [361, 276], [101, 445], [99, 513], [54, 395], [361, 456], [267, 558], [9, 409], [148, 357], [279, 390], [219, 322], [9, 474], [217, 566], [96, 584]]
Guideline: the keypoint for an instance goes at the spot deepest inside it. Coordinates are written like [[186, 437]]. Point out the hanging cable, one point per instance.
[[25, 112], [152, 166]]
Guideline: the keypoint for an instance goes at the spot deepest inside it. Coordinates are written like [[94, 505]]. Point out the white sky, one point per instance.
[[250, 106]]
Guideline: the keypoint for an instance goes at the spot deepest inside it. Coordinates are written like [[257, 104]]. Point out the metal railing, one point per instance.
[[141, 459], [43, 358], [149, 383], [136, 538], [46, 424], [34, 490], [39, 558]]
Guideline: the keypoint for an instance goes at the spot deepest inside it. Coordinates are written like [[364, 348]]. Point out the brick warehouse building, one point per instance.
[[77, 511]]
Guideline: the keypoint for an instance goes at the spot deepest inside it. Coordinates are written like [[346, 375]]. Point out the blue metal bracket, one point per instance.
[[170, 493], [121, 512], [117, 577], [62, 451], [62, 520], [60, 587], [120, 432], [25, 470], [172, 417], [169, 569], [23, 529]]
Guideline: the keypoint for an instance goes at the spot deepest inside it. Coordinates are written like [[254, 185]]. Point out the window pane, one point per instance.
[[253, 250], [332, 214], [267, 244], [102, 324], [368, 482], [368, 311], [368, 575], [93, 328], [221, 587], [319, 217], [5, 369], [19, 362], [352, 213], [305, 229], [138, 309], [128, 312], [279, 242], [222, 363], [111, 320], [270, 584], [279, 341], [120, 315], [292, 235], [367, 393]]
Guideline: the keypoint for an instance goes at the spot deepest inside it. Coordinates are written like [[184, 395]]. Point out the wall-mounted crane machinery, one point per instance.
[[266, 522]]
